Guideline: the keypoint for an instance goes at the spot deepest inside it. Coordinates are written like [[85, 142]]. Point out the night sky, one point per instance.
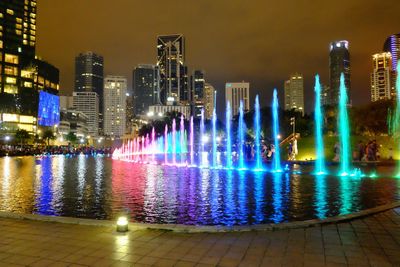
[[259, 41]]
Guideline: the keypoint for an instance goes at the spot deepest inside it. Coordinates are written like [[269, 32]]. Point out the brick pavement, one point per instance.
[[370, 241]]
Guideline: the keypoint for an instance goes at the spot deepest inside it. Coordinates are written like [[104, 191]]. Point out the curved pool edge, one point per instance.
[[204, 228]]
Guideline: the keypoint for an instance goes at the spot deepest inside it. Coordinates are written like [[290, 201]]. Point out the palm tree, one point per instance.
[[22, 135], [48, 135]]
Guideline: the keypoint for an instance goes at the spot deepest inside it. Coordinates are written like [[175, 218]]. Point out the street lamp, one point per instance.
[[7, 138]]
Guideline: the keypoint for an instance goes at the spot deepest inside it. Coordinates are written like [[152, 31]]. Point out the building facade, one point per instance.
[[209, 100], [115, 88], [88, 104], [234, 93], [145, 88], [197, 92], [89, 77], [73, 121], [158, 111], [324, 94], [294, 93], [174, 87], [392, 45], [24, 77], [339, 62], [382, 86]]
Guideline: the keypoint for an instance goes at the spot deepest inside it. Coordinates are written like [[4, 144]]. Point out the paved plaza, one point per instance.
[[370, 241]]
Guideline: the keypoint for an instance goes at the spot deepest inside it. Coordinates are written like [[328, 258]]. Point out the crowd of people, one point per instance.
[[364, 151], [10, 150]]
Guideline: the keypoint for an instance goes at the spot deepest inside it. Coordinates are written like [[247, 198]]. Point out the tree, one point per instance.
[[48, 135], [22, 135], [71, 137]]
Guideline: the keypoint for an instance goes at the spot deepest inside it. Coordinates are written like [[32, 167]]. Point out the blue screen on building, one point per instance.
[[49, 109]]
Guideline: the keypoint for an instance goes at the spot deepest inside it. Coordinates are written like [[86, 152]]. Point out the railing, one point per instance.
[[290, 138]]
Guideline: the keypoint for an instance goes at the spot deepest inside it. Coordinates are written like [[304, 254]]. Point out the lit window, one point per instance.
[[25, 42], [10, 70], [28, 84], [9, 58], [11, 80], [1, 15], [10, 11], [18, 32], [32, 43], [1, 44], [19, 20], [10, 89], [33, 32]]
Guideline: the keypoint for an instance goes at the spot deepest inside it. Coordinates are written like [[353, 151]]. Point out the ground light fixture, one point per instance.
[[122, 224]]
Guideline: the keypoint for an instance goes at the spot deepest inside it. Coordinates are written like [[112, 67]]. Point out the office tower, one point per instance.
[[66, 102], [197, 91], [234, 92], [115, 88], [209, 100], [339, 62], [324, 94], [23, 76], [174, 87], [89, 71], [392, 45], [88, 104], [145, 88], [294, 93], [382, 86], [73, 121]]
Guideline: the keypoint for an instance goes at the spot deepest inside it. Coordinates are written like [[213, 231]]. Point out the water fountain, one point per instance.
[[395, 121], [228, 137], [319, 141], [257, 139], [173, 142], [191, 141], [202, 140], [344, 130], [275, 131], [241, 136], [214, 134]]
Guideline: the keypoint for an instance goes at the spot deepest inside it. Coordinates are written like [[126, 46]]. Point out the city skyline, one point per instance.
[[262, 42]]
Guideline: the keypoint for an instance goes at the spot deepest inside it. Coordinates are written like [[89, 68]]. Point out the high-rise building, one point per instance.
[[294, 93], [115, 106], [88, 104], [23, 75], [197, 91], [382, 86], [174, 87], [392, 45], [89, 72], [324, 94], [145, 88], [234, 93], [209, 100], [339, 62]]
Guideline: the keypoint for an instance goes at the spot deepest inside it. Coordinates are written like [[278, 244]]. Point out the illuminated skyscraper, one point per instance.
[[339, 62], [145, 88], [22, 74], [392, 45], [89, 71], [234, 92], [382, 83], [197, 92], [115, 106], [209, 99], [88, 104], [294, 93], [174, 87]]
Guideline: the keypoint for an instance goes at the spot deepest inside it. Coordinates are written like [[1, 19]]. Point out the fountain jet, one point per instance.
[[275, 131], [344, 130], [319, 141]]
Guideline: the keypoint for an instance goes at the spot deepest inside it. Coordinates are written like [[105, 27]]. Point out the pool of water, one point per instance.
[[102, 188]]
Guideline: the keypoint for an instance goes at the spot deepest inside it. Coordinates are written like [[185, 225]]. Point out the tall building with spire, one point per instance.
[[339, 62], [174, 87]]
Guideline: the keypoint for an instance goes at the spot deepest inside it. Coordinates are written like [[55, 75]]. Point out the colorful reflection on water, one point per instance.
[[98, 187]]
